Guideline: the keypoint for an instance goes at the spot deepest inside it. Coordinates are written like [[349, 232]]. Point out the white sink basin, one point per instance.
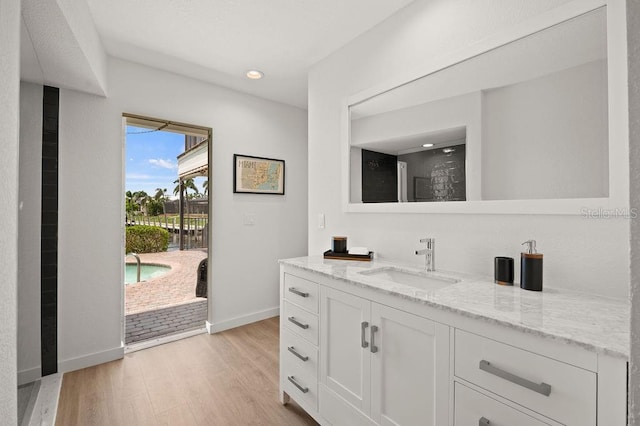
[[421, 280]]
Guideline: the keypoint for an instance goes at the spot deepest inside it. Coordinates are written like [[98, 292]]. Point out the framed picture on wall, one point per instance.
[[257, 175]]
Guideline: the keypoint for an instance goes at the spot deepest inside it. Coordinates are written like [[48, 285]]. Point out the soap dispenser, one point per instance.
[[531, 267]]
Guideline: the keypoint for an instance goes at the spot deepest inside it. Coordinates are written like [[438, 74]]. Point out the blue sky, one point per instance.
[[151, 160]]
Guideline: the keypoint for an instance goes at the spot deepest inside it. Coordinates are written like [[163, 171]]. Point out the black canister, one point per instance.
[[531, 268], [339, 245], [503, 270]]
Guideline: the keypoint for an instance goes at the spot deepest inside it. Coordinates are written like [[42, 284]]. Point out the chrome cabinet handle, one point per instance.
[[293, 351], [541, 388], [298, 323], [484, 421], [374, 348], [302, 388], [363, 327], [298, 292]]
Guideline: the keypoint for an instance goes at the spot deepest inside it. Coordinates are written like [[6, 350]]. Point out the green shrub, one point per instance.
[[146, 239], [154, 208]]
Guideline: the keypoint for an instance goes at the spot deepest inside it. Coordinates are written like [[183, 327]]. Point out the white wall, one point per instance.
[[538, 142], [89, 230], [580, 253], [244, 270], [633, 23], [29, 365], [9, 127]]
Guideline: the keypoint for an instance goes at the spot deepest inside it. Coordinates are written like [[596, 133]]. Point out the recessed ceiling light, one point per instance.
[[427, 145], [255, 74]]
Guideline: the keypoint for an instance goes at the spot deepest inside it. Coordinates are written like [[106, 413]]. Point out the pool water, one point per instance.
[[147, 272]]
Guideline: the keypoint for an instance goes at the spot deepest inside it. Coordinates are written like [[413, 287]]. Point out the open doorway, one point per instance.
[[167, 217]]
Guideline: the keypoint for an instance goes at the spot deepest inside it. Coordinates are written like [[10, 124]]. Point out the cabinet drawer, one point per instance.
[[475, 409], [301, 322], [297, 351], [301, 292], [302, 388], [526, 378]]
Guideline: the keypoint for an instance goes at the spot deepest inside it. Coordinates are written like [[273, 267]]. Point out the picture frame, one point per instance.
[[258, 175]]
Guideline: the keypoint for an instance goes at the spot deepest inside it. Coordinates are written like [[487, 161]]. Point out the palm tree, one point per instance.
[[190, 184], [205, 187], [129, 206], [186, 185], [141, 198], [161, 194], [161, 197]]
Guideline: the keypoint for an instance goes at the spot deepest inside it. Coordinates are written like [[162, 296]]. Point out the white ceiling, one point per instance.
[[407, 144], [219, 40]]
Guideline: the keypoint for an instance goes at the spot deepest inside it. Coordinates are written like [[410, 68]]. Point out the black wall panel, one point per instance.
[[49, 235]]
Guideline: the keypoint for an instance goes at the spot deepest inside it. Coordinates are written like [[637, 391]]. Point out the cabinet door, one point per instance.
[[409, 370], [345, 363]]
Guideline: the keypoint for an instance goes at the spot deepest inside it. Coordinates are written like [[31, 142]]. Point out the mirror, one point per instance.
[[528, 120]]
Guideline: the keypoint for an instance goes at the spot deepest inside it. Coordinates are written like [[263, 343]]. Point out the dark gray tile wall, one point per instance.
[[49, 236]]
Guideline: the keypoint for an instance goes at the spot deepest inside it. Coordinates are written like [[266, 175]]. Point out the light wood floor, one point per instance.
[[229, 378]]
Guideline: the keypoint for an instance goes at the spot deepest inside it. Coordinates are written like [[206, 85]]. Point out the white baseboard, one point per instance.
[[90, 360], [29, 375], [243, 320]]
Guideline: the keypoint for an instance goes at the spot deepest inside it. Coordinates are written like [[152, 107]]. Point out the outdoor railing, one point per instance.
[[137, 262], [194, 230]]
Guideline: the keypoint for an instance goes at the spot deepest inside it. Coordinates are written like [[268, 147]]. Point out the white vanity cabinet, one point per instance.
[[374, 364], [384, 362], [351, 354]]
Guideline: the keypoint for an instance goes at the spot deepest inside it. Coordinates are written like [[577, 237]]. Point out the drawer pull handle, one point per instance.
[[363, 341], [298, 323], [296, 384], [374, 348], [484, 421], [293, 351], [541, 388], [298, 292]]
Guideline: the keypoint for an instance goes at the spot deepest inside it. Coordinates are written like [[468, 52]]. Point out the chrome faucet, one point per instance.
[[430, 254]]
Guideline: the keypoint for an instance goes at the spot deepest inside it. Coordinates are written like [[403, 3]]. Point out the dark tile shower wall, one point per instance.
[[49, 236]]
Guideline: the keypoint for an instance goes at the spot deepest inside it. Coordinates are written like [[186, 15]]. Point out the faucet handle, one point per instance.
[[427, 240]]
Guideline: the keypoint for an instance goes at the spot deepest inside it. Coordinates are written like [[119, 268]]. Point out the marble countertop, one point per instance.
[[593, 322]]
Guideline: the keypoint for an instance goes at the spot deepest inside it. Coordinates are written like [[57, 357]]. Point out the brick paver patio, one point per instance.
[[175, 287], [167, 304]]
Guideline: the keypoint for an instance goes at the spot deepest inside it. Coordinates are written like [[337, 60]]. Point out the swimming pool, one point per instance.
[[147, 272]]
